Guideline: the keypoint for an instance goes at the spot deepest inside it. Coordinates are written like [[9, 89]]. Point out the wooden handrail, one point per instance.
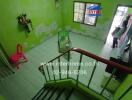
[[123, 68], [108, 62]]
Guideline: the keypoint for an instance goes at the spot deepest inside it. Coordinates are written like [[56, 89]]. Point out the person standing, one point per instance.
[[115, 35], [118, 32]]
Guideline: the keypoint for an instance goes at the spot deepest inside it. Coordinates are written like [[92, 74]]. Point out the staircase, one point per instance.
[[54, 93], [66, 87], [65, 90]]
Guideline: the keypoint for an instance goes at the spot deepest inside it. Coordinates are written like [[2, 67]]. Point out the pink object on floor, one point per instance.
[[18, 56]]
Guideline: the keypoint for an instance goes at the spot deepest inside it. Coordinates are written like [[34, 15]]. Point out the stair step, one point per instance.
[[54, 93], [39, 93], [78, 96], [66, 94], [60, 94], [46, 93], [50, 95]]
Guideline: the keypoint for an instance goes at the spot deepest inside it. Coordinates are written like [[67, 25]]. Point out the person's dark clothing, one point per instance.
[[115, 37], [115, 42]]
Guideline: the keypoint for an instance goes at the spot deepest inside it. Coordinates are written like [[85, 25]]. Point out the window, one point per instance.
[[81, 13], [79, 9]]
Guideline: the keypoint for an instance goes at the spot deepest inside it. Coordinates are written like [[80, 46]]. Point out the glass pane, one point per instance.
[[82, 6], [75, 16], [79, 11], [76, 10], [78, 17], [76, 4], [89, 19]]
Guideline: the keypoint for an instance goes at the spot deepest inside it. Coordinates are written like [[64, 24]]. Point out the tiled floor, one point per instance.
[[24, 84]]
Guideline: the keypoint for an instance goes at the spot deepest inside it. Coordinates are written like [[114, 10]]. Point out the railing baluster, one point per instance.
[[53, 71], [92, 73], [48, 72], [47, 92], [69, 95], [59, 68], [68, 64], [53, 92], [113, 72], [79, 68], [39, 93], [59, 94], [43, 72], [125, 92]]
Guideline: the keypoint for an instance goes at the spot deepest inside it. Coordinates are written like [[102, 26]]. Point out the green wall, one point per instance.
[[47, 20], [45, 16], [123, 87], [129, 10], [103, 25]]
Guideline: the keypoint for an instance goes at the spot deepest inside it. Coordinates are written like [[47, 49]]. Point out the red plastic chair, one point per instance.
[[18, 57]]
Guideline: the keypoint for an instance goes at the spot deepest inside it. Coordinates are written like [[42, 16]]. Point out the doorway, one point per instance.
[[120, 15]]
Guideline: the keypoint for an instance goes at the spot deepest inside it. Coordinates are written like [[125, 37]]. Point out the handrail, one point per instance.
[[44, 67], [123, 68], [111, 63]]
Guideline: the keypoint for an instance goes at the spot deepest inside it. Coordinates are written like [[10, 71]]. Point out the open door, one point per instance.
[[120, 15]]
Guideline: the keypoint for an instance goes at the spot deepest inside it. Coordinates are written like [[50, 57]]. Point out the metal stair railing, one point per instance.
[[82, 53], [5, 67]]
